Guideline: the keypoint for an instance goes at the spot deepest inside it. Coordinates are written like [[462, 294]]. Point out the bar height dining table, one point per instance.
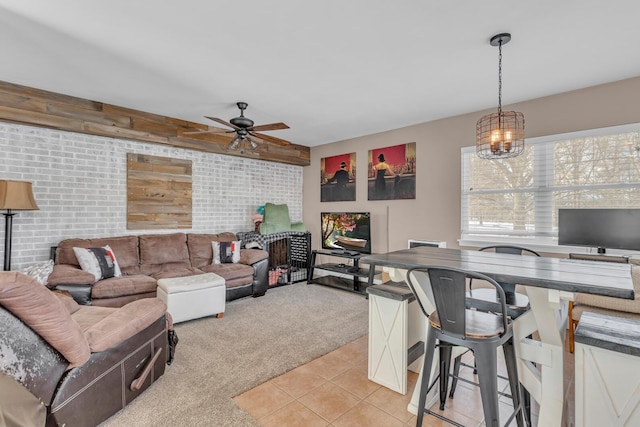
[[550, 283]]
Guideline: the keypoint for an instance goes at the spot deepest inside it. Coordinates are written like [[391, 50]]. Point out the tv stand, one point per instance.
[[355, 272], [342, 252]]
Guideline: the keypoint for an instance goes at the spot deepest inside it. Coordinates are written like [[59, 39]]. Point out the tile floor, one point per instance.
[[334, 391]]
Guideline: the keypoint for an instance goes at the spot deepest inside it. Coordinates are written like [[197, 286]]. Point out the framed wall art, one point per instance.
[[338, 178], [392, 172]]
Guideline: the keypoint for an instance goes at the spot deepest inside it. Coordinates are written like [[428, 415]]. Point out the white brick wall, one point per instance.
[[80, 184]]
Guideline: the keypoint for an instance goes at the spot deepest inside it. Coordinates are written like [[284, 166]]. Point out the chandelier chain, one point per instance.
[[500, 77]]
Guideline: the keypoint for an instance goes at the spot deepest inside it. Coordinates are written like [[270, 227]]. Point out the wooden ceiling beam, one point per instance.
[[30, 106]]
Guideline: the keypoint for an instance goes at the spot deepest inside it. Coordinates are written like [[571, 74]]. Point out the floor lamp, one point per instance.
[[14, 196]]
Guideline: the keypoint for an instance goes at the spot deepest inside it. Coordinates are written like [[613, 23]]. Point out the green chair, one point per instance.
[[276, 220]]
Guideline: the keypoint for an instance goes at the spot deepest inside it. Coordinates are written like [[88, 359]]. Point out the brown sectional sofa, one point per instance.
[[146, 258]]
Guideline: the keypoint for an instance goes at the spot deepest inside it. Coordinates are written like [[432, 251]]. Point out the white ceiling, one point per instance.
[[330, 69]]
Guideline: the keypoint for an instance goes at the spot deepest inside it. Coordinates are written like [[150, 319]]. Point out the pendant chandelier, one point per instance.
[[500, 135]]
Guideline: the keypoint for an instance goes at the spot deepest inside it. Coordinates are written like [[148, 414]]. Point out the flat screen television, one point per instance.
[[346, 231], [600, 228]]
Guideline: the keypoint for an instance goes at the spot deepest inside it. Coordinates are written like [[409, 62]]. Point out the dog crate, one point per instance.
[[289, 254]]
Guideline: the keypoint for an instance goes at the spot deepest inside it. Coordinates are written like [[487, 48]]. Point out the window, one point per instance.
[[520, 197]]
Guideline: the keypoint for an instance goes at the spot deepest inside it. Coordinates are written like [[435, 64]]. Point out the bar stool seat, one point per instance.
[[441, 295]]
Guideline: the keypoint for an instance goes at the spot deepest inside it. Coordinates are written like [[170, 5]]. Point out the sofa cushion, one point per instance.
[[121, 301], [125, 249], [88, 315], [163, 252], [125, 285], [177, 272], [200, 248], [39, 308], [69, 303], [233, 274], [123, 323]]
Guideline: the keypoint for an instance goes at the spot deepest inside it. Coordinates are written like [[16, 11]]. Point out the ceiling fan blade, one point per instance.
[[222, 122], [255, 137], [273, 139], [211, 130], [270, 126]]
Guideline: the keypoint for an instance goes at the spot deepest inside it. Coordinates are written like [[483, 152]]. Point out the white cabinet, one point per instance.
[[607, 369]]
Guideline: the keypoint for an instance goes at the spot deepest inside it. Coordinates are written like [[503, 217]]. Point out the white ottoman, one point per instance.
[[191, 297]]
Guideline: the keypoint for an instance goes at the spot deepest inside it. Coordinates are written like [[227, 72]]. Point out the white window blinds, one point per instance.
[[521, 196]]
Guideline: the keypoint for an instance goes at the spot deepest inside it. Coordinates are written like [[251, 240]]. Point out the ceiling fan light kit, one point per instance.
[[245, 130], [500, 135]]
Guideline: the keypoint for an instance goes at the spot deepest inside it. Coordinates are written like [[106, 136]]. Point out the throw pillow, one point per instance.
[[112, 255], [226, 252], [40, 271], [101, 262]]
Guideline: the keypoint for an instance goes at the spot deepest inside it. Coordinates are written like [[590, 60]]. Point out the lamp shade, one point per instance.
[[17, 195]]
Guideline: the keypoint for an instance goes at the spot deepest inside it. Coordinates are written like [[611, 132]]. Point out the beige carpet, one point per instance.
[[256, 340]]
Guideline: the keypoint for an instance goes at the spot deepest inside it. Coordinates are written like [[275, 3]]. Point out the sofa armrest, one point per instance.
[[124, 323], [260, 277], [251, 256], [80, 293], [259, 260], [66, 274], [78, 283]]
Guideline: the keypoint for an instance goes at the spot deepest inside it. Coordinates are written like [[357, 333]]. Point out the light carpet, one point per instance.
[[256, 340]]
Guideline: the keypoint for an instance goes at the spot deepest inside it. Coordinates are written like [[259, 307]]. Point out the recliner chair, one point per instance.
[[66, 364]]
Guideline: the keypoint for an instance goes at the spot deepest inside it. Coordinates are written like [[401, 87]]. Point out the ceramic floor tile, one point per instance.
[[505, 412], [334, 391], [263, 400], [293, 415], [466, 401], [355, 380], [365, 414], [466, 418], [329, 401], [330, 365], [298, 382], [391, 402], [355, 352]]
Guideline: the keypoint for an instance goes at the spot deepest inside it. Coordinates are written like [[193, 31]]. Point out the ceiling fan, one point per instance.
[[245, 130]]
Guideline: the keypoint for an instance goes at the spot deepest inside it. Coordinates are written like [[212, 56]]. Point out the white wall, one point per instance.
[[80, 184]]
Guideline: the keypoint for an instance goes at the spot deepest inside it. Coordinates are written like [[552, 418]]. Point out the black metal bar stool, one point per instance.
[[486, 299], [452, 324]]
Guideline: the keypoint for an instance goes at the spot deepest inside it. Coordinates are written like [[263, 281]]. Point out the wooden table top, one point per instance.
[[590, 277]]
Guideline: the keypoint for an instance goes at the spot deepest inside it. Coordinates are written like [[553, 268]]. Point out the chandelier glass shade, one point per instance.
[[500, 135]]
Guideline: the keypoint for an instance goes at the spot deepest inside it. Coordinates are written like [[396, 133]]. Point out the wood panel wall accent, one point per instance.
[[158, 192], [22, 104]]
